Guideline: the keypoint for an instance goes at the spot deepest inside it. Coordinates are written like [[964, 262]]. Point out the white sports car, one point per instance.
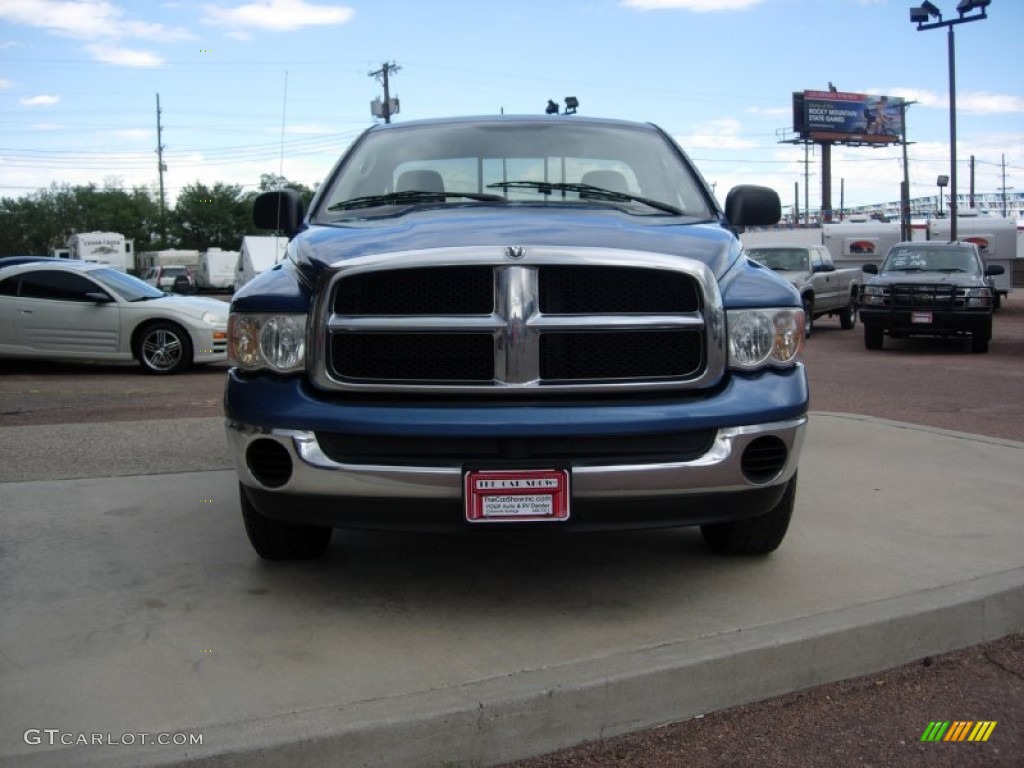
[[58, 309]]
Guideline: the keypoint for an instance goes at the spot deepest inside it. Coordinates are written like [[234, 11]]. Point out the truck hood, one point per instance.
[[928, 278], [321, 246]]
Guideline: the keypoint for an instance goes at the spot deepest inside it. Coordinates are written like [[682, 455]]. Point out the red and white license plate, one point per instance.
[[922, 318], [526, 495]]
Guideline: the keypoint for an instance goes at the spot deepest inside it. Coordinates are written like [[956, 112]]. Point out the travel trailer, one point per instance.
[[257, 254], [216, 270], [102, 248]]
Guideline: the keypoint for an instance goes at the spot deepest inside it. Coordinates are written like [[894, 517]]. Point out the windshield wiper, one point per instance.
[[411, 196], [594, 193], [950, 269], [905, 269]]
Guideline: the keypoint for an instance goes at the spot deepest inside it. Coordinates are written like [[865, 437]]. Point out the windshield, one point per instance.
[[922, 258], [124, 285], [782, 259], [632, 168]]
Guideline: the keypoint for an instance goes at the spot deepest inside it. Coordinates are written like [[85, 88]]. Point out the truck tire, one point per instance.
[[808, 316], [757, 535], [277, 540], [848, 315], [873, 336], [979, 343], [163, 348]]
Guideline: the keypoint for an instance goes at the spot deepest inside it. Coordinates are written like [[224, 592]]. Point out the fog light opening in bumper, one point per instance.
[[763, 459], [269, 462]]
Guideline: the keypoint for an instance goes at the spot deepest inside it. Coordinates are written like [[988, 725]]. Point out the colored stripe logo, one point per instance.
[[958, 730]]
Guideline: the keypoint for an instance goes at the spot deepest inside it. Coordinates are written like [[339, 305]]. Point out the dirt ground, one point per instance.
[[872, 721]]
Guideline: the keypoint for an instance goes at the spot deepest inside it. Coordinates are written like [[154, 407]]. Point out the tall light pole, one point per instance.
[[922, 16]]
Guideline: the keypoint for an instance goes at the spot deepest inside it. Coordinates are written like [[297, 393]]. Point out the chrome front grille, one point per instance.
[[461, 320]]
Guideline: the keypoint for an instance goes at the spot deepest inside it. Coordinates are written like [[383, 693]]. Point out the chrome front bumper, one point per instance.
[[717, 471]]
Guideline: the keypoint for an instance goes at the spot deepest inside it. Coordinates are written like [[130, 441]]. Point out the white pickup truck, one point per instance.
[[824, 289]]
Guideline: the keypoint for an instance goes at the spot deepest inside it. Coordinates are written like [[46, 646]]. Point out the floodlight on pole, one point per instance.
[[920, 16]]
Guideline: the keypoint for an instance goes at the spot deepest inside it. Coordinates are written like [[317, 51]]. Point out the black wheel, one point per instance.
[[873, 336], [979, 343], [277, 540], [756, 536], [163, 348], [808, 316], [848, 315]]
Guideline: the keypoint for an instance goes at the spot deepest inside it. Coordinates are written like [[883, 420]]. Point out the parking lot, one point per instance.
[[924, 381], [135, 602]]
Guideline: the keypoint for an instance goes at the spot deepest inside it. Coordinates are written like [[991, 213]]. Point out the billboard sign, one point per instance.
[[853, 118]]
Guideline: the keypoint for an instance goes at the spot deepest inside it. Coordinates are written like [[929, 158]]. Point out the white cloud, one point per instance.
[[976, 102], [717, 134], [124, 57], [46, 126], [84, 20], [5, 83], [43, 100], [989, 103], [100, 22], [697, 6], [277, 15]]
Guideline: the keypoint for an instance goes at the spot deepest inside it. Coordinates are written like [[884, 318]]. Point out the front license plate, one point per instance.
[[526, 495], [922, 318]]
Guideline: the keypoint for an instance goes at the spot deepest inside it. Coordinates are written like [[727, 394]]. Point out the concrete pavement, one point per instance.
[[132, 604]]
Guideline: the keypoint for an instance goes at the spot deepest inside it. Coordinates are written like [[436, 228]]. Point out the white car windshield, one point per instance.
[[124, 285]]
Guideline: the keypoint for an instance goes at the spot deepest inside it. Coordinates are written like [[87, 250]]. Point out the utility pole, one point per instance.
[[381, 74], [971, 196], [161, 167]]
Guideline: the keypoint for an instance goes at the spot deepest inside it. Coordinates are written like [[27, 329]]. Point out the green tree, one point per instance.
[[45, 219], [270, 181], [205, 217]]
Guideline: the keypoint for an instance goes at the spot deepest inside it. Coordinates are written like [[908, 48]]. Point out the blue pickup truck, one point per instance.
[[515, 322]]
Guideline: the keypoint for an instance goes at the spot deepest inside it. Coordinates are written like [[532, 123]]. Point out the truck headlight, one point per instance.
[[874, 295], [265, 341], [765, 337], [977, 298]]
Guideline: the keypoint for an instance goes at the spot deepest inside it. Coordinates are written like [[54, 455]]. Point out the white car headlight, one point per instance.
[[212, 318], [765, 337], [259, 341]]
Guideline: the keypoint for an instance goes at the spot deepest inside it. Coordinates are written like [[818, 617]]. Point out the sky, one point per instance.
[[248, 87]]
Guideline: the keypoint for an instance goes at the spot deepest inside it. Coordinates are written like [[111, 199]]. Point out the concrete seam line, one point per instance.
[[541, 710]]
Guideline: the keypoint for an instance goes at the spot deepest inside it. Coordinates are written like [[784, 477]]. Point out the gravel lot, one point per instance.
[[873, 721]]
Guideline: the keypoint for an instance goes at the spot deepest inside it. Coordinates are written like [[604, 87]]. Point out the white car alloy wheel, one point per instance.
[[164, 348]]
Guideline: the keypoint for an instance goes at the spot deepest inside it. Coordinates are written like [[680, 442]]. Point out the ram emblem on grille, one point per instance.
[[515, 252]]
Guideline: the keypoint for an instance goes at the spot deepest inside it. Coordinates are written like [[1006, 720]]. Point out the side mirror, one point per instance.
[[751, 206], [871, 269], [280, 210], [993, 270], [824, 268]]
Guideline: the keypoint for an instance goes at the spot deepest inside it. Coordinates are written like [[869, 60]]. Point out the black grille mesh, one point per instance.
[[577, 290], [428, 291], [926, 296], [433, 357], [619, 355]]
